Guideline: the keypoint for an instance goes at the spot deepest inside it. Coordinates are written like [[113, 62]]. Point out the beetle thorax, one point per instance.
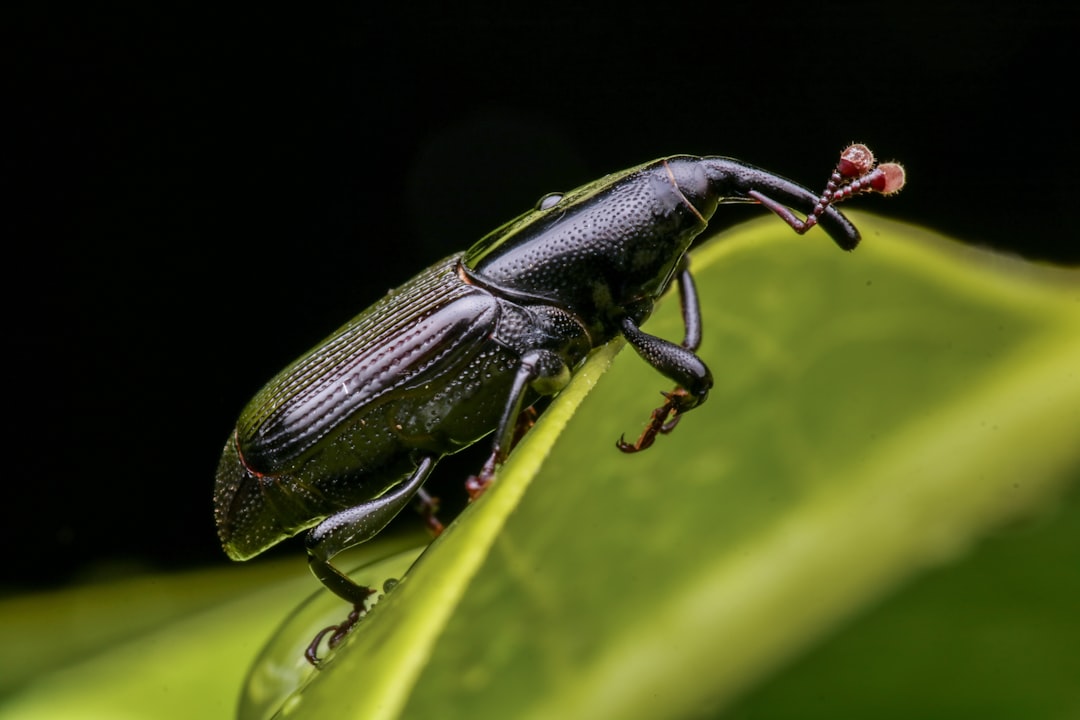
[[598, 252]]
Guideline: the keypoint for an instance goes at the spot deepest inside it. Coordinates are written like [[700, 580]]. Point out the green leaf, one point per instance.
[[181, 645], [877, 419], [874, 414]]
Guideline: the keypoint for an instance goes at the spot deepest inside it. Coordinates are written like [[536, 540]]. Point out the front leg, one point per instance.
[[678, 362]]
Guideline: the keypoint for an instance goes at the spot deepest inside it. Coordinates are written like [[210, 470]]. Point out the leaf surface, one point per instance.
[[874, 415]]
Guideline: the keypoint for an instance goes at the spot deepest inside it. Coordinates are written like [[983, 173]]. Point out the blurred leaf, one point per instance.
[[167, 646], [874, 415], [190, 662], [993, 636]]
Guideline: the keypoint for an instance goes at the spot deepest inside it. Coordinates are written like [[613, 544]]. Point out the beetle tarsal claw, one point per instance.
[[476, 485], [428, 507], [337, 633], [662, 421]]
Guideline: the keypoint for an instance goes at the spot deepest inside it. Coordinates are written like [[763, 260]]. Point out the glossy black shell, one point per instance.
[[430, 368]]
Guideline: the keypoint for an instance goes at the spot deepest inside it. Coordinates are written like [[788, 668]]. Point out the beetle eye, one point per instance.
[[549, 201]]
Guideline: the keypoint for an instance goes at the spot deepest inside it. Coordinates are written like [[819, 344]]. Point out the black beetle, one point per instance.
[[345, 437]]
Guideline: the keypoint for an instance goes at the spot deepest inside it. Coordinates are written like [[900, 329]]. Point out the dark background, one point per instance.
[[193, 197]]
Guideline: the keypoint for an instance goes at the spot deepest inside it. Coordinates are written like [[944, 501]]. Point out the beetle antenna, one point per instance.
[[856, 173]]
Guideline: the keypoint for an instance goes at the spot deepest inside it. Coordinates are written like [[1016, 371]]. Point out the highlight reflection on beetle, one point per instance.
[[344, 438]]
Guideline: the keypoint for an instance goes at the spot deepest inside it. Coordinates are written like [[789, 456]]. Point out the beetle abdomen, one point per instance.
[[420, 371]]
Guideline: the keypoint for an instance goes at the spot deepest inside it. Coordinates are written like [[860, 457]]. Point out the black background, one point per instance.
[[193, 197]]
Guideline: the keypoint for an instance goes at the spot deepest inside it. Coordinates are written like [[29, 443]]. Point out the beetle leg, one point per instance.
[[524, 423], [543, 371], [691, 308], [428, 507], [475, 485], [344, 530], [677, 362], [356, 525]]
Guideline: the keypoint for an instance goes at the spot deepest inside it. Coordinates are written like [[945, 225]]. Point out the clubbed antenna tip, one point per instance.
[[855, 173], [892, 178]]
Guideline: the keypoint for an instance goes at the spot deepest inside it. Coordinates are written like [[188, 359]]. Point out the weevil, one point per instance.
[[344, 438]]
